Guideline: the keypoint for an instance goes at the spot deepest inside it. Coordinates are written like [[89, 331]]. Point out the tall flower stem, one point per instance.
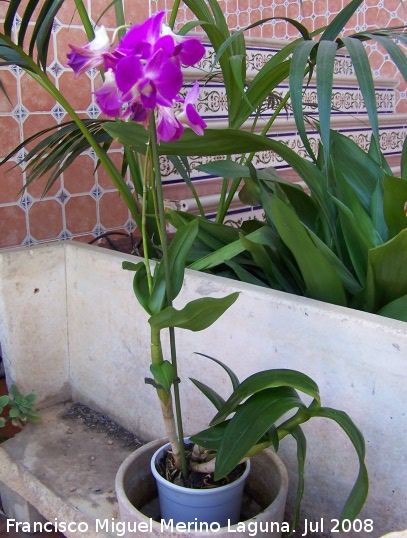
[[165, 260]]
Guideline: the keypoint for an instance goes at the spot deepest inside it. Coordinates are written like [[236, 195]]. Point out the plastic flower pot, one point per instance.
[[136, 489], [219, 505]]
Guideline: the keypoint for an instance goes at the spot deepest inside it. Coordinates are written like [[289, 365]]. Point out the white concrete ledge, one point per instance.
[[83, 334]]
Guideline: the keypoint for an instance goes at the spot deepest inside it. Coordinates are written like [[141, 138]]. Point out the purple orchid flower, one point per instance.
[[188, 114], [158, 81], [189, 49], [143, 73], [81, 59], [108, 97], [169, 128]]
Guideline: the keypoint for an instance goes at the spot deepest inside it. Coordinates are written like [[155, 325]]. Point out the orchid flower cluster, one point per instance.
[[143, 74]]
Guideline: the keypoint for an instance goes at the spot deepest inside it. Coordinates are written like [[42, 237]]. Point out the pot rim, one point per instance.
[[194, 491]]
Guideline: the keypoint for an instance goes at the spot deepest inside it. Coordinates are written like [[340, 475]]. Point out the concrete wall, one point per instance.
[[97, 342]]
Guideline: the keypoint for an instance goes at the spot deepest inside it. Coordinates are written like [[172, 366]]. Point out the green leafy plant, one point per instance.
[[21, 408], [254, 417]]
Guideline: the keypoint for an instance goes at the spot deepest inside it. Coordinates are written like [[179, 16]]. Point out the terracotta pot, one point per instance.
[[262, 511]]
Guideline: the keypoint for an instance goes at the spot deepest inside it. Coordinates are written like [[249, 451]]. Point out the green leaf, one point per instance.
[[164, 374], [195, 316], [322, 284], [358, 495], [4, 400], [207, 391], [339, 22], [357, 243], [364, 75], [130, 266], [297, 72], [395, 204], [264, 380], [387, 273], [326, 61], [396, 309], [299, 436], [232, 376], [251, 421], [141, 287]]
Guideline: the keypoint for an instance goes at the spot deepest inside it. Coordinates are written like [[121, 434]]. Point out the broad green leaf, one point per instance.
[[262, 259], [251, 421], [264, 380], [347, 195], [320, 278], [211, 438], [141, 287], [397, 309], [195, 316], [357, 243], [358, 495], [387, 271], [395, 204], [164, 374], [349, 281], [177, 254], [360, 170]]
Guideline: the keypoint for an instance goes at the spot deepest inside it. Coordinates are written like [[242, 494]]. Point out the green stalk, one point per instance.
[[164, 245], [83, 14], [174, 12]]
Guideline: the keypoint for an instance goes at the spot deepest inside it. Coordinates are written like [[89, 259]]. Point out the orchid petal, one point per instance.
[[169, 128], [129, 72], [108, 98]]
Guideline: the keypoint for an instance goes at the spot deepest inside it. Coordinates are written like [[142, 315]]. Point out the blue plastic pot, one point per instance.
[[217, 506]]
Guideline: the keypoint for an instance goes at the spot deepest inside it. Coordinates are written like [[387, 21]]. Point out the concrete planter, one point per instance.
[[267, 486], [72, 329]]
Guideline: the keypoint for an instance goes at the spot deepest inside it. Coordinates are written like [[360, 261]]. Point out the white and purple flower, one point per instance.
[[143, 74]]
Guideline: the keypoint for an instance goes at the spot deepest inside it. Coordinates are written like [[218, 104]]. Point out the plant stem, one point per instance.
[[174, 12], [164, 245]]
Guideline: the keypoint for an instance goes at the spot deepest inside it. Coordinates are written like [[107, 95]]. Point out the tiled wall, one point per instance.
[[83, 203]]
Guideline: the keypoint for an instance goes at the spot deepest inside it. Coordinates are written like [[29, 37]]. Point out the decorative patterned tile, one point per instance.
[[62, 196], [56, 68], [58, 112], [20, 113], [25, 201]]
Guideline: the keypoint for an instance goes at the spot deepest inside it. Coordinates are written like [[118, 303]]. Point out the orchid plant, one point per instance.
[[142, 79]]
